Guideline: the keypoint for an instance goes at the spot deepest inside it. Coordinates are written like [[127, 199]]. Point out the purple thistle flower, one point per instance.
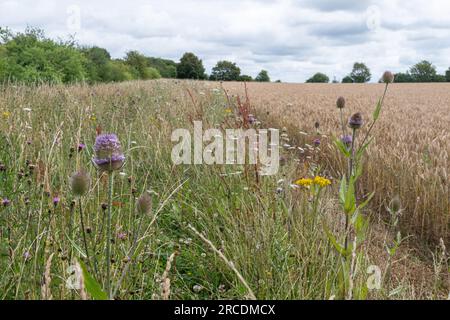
[[108, 153], [355, 121], [251, 119], [316, 142], [56, 200], [121, 235], [347, 140], [6, 202], [81, 146]]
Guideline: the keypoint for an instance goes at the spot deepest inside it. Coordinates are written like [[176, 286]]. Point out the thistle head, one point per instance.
[[144, 204], [108, 153], [355, 121], [388, 77], [347, 140], [79, 183], [340, 103]]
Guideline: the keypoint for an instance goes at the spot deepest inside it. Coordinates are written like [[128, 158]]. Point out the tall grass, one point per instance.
[[271, 241]]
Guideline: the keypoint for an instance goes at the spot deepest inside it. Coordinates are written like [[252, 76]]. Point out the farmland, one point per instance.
[[222, 232]]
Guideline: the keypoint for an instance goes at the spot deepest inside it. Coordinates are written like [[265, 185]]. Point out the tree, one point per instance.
[[97, 63], [318, 78], [225, 71], [424, 71], [190, 67], [403, 77], [263, 76], [167, 68], [245, 78], [347, 79], [360, 73], [447, 75]]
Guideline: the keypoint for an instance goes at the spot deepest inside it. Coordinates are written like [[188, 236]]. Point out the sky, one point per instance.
[[292, 39]]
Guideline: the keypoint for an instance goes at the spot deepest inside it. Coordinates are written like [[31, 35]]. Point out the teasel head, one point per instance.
[[340, 103], [144, 204], [388, 77], [108, 153], [395, 204], [347, 140], [79, 183], [317, 125], [355, 121]]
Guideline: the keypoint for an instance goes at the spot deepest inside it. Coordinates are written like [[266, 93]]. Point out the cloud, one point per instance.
[[291, 38]]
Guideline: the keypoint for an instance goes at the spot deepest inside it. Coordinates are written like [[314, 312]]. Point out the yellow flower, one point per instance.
[[93, 118], [323, 182], [6, 115], [228, 110], [305, 182]]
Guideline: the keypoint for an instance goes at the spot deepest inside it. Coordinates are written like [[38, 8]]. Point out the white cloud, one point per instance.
[[292, 39]]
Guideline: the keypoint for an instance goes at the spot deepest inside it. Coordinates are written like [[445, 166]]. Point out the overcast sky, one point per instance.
[[292, 39]]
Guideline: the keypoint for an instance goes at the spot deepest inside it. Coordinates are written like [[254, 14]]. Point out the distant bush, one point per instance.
[[191, 67], [263, 76], [318, 78]]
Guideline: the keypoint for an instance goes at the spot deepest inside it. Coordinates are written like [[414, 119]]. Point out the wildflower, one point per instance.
[[144, 204], [56, 201], [251, 119], [6, 202], [322, 182], [79, 182], [347, 140], [122, 236], [26, 255], [6, 115], [340, 103], [355, 121], [228, 110], [316, 142], [81, 147], [388, 77], [108, 153], [304, 182]]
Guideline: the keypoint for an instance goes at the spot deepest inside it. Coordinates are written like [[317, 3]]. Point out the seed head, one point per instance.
[[388, 77], [79, 182], [340, 103], [395, 204], [108, 153], [144, 204], [355, 121]]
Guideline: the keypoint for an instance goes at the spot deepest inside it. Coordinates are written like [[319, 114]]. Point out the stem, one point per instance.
[[108, 236], [350, 174], [342, 123], [373, 122], [84, 233]]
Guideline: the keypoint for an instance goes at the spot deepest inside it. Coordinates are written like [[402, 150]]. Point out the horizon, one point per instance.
[[278, 37]]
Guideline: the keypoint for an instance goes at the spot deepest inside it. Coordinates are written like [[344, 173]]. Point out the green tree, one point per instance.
[[347, 79], [360, 73], [190, 67], [447, 75], [166, 68], [97, 63], [318, 78], [117, 71], [424, 71], [245, 78], [263, 76], [225, 71], [403, 77]]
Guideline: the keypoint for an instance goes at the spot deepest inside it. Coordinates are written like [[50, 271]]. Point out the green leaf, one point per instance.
[[362, 205], [333, 241], [376, 113], [350, 199], [361, 150], [341, 146], [92, 286], [343, 190]]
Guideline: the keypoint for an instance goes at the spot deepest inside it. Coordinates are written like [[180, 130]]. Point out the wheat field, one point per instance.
[[219, 232]]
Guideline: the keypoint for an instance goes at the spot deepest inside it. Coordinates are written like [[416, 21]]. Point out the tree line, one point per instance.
[[423, 71], [31, 57]]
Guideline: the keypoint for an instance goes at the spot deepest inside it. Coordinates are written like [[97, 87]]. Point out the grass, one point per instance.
[[214, 232]]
